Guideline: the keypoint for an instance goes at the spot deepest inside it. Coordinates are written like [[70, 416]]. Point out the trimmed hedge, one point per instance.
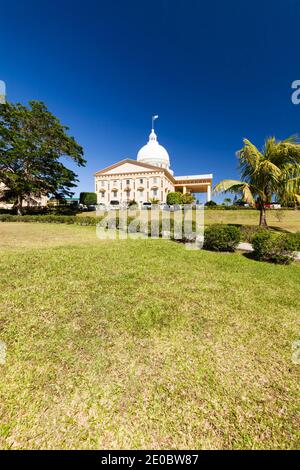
[[218, 237], [51, 219], [269, 246]]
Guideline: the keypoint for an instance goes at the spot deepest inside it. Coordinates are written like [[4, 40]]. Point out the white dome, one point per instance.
[[154, 153]]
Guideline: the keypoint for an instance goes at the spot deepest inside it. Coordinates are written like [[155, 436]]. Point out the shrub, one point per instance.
[[274, 248], [174, 198], [210, 204], [188, 198], [248, 232], [219, 237], [292, 241], [88, 199], [51, 218]]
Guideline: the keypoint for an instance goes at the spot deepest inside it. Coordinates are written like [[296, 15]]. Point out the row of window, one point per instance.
[[141, 194], [141, 181]]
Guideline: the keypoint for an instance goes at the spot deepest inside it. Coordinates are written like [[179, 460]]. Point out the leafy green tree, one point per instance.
[[273, 171], [210, 204], [32, 142], [174, 197], [187, 198], [88, 199]]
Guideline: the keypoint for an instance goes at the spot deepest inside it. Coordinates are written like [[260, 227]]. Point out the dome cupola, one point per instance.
[[153, 153]]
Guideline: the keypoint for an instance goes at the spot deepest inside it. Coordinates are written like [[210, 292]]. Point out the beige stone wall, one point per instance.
[[41, 201], [140, 186]]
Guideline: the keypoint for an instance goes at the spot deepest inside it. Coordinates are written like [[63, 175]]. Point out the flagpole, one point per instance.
[[153, 119]]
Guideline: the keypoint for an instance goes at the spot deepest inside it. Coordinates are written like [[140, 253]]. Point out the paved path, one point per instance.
[[248, 247]]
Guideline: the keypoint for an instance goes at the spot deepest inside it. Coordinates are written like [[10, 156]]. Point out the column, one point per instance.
[[208, 193], [184, 189]]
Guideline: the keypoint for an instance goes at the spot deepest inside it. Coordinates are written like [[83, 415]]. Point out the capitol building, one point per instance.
[[146, 178]]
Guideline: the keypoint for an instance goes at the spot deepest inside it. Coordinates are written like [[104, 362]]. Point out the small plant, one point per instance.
[[218, 237], [154, 200], [279, 215], [274, 248], [132, 204]]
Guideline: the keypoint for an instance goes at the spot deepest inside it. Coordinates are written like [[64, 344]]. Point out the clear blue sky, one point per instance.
[[215, 72]]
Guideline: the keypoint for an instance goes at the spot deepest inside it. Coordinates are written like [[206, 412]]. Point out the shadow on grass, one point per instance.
[[257, 227], [250, 255]]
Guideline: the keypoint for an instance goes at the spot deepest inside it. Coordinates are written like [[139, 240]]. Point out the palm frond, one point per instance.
[[249, 158], [236, 187], [227, 185], [292, 139]]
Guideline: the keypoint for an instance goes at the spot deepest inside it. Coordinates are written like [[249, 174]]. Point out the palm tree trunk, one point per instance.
[[263, 217]]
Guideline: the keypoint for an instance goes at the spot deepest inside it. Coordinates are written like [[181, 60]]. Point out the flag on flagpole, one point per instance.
[[153, 119]]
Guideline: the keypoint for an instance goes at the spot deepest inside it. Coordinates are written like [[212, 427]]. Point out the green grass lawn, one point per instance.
[[285, 220], [282, 220], [143, 344]]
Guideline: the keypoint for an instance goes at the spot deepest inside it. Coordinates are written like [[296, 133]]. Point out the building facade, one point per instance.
[[32, 202], [147, 178]]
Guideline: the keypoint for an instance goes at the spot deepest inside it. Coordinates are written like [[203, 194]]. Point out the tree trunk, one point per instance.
[[18, 205], [263, 217]]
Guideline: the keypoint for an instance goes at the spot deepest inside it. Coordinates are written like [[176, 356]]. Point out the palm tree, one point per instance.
[[289, 188], [227, 201], [273, 171]]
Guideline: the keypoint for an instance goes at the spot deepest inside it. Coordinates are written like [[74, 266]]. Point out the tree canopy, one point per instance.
[[175, 197], [32, 143]]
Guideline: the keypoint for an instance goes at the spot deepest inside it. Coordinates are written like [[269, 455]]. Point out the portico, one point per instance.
[[194, 184]]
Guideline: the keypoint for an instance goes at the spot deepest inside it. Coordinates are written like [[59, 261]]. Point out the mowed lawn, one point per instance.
[[143, 344], [282, 220], [278, 219]]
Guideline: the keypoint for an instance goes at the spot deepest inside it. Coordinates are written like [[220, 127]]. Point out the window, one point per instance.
[[115, 182], [141, 194], [115, 193], [102, 184], [141, 181], [127, 181], [154, 180], [102, 195], [154, 192]]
